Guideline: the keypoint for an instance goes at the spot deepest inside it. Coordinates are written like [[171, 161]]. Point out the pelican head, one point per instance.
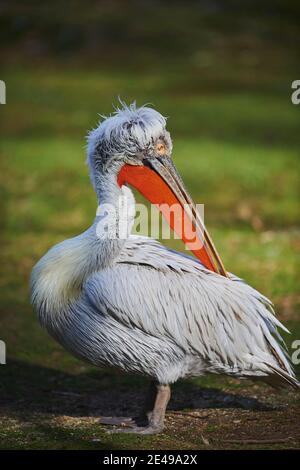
[[133, 147], [128, 136]]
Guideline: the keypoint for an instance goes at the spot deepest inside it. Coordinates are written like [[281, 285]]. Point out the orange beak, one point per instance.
[[159, 182]]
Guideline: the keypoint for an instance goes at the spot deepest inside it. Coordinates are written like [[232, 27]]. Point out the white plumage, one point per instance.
[[133, 304]]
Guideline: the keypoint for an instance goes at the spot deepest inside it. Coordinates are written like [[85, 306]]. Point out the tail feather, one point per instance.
[[280, 378]]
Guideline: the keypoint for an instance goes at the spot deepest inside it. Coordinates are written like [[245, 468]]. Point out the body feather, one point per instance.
[[162, 314], [131, 303]]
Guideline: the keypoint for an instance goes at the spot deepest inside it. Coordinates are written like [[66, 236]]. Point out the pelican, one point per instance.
[[131, 303]]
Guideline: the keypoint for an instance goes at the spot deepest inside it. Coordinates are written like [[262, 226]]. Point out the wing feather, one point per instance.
[[225, 322]]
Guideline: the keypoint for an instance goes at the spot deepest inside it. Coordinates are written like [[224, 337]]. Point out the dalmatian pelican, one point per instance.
[[131, 303]]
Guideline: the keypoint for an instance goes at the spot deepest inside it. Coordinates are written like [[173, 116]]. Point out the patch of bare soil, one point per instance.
[[55, 412]]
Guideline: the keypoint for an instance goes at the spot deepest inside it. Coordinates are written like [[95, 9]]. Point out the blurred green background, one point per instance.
[[222, 73]]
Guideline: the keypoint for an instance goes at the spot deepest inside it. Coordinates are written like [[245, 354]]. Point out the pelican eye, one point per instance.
[[161, 148]]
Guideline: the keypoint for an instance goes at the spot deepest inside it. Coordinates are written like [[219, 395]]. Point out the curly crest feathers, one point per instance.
[[128, 131]]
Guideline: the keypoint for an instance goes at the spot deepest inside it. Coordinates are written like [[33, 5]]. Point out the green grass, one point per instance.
[[236, 145]]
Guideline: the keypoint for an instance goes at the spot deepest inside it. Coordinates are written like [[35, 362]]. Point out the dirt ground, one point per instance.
[[57, 413]]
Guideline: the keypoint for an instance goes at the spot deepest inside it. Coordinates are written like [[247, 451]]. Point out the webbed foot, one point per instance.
[[117, 421], [144, 430]]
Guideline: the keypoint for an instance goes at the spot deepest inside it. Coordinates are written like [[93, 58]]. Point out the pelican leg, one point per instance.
[[155, 418]]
